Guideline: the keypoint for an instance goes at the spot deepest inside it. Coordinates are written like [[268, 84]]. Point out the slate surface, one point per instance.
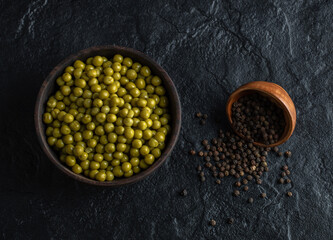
[[209, 48]]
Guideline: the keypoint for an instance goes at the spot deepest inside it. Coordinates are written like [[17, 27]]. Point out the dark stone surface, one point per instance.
[[209, 48]]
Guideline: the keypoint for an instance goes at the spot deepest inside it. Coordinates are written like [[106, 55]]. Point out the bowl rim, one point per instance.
[[244, 89], [50, 79]]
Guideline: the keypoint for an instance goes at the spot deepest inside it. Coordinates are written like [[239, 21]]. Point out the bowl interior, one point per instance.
[[48, 88], [275, 99]]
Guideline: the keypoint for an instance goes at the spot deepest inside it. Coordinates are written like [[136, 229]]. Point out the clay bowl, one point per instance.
[[48, 88], [277, 95]]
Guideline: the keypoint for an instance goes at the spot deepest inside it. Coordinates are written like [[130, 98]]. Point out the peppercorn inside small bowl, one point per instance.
[[108, 116], [262, 113]]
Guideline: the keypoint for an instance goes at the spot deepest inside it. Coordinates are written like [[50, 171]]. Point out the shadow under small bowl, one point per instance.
[[277, 95], [49, 86]]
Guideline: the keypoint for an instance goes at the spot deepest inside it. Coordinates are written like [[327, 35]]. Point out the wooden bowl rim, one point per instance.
[[290, 123], [136, 55]]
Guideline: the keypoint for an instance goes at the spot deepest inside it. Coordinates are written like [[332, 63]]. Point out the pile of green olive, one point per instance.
[[109, 118]]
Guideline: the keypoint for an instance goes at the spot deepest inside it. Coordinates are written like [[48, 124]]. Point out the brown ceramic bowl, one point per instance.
[[48, 88], [277, 95]]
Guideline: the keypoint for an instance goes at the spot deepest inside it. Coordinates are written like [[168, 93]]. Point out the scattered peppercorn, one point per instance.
[[288, 180], [263, 195], [280, 154], [289, 194], [245, 188], [250, 200], [288, 154], [200, 153], [205, 116], [236, 193], [285, 167], [218, 181], [183, 193], [202, 122], [275, 149], [199, 168], [192, 152], [230, 220], [287, 172], [198, 114], [281, 180], [283, 174], [238, 184], [212, 222]]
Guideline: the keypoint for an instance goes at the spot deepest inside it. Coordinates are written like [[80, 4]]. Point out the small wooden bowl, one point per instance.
[[277, 95], [48, 88]]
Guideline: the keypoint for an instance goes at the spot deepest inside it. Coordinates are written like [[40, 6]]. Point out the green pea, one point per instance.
[[136, 169], [129, 132], [126, 166], [94, 165], [47, 118], [93, 173], [143, 164], [85, 164], [70, 161], [145, 71], [117, 171], [100, 176], [127, 62], [109, 176], [144, 150], [153, 143]]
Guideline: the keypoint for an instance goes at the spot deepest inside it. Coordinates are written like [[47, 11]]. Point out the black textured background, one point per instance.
[[209, 48]]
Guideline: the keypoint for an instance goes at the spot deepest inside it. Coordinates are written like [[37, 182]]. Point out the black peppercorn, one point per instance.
[[236, 193], [212, 222], [263, 195], [230, 220], [183, 193], [288, 154]]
